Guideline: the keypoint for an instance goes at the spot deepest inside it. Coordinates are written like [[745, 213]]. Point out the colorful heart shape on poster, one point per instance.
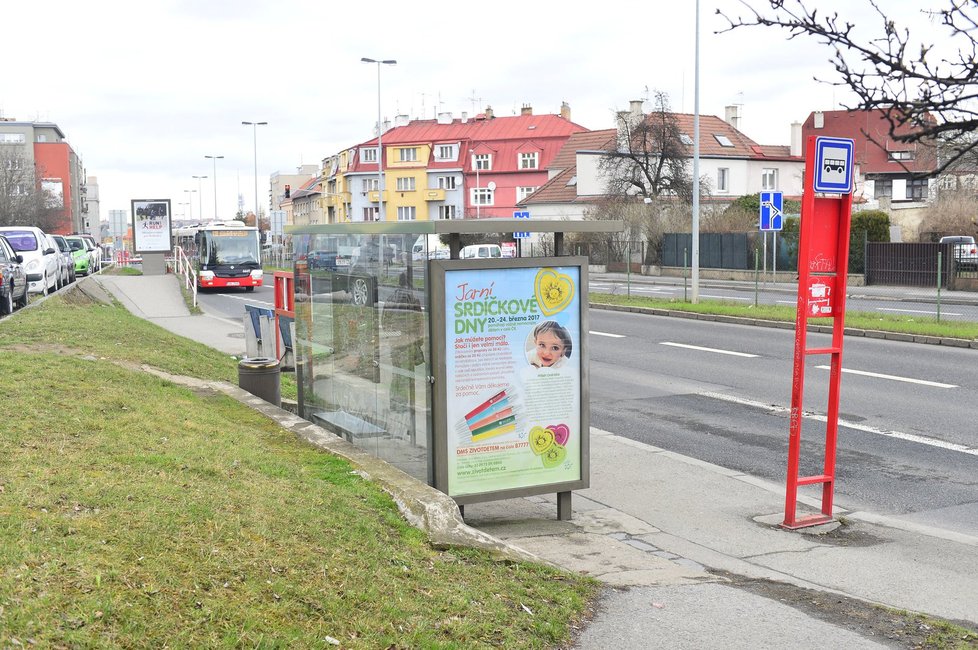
[[554, 456], [541, 440], [554, 291], [561, 433]]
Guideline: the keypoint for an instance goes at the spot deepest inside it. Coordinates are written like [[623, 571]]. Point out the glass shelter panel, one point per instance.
[[362, 323]]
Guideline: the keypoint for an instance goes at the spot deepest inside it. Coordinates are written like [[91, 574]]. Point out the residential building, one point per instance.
[[278, 182], [448, 168], [91, 207], [893, 176], [731, 165], [58, 170], [306, 203]]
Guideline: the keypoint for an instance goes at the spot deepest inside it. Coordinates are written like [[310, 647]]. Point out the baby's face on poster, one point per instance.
[[549, 348]]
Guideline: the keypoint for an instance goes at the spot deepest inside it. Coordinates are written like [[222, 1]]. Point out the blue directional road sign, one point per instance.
[[521, 214], [833, 165], [772, 210]]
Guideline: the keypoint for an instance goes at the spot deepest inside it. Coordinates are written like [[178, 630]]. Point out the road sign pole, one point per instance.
[[764, 265], [774, 255]]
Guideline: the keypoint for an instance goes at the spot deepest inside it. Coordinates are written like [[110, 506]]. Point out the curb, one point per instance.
[[821, 329]]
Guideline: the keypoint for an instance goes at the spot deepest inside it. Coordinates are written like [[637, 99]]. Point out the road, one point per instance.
[[908, 443]]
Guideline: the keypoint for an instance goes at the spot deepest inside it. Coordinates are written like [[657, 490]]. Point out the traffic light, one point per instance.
[[288, 191]]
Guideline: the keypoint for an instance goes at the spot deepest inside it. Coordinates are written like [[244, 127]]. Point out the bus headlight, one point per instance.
[[256, 274], [207, 276]]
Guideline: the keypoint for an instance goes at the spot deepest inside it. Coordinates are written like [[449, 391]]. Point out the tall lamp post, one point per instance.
[[214, 158], [190, 198], [200, 196], [254, 128], [380, 128]]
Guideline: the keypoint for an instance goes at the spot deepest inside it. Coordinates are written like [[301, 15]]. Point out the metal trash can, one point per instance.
[[260, 376]]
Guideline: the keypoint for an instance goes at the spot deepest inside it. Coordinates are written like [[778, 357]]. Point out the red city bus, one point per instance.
[[224, 254]]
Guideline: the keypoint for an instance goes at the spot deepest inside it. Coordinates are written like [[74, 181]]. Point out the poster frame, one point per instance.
[[138, 242], [438, 322]]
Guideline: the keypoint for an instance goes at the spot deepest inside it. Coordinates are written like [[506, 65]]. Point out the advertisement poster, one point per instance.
[[513, 361], [151, 225]]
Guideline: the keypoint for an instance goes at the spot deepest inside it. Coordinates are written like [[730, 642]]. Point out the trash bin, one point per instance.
[[260, 376]]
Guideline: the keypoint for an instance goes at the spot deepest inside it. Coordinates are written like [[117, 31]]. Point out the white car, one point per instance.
[[42, 259]]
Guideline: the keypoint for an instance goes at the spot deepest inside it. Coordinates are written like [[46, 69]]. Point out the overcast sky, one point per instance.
[[144, 90]]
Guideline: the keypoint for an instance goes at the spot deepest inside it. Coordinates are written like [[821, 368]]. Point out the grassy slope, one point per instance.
[[136, 513]]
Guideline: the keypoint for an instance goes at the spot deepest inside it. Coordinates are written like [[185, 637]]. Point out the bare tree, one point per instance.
[[925, 97], [651, 158], [22, 201]]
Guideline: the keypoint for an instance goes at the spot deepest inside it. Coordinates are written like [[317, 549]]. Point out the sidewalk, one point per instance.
[[691, 552]]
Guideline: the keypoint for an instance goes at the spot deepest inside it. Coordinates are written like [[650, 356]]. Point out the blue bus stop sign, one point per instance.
[[772, 211], [833, 165], [521, 214]]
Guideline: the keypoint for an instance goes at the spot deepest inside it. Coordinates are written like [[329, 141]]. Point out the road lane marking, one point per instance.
[[702, 349], [613, 336], [909, 380], [917, 311], [909, 437]]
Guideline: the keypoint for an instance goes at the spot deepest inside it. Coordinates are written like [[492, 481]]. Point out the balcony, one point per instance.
[[434, 195], [373, 196], [336, 199]]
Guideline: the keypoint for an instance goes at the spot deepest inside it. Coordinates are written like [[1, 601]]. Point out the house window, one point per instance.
[[446, 182], [883, 188], [723, 179], [917, 189], [406, 213], [529, 160], [370, 184], [371, 214], [523, 192], [723, 140], [685, 139], [900, 155], [369, 155], [445, 152], [408, 154], [12, 138], [769, 179], [447, 212], [482, 196], [405, 184], [482, 161]]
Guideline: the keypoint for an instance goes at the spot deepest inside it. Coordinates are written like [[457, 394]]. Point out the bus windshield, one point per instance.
[[221, 247]]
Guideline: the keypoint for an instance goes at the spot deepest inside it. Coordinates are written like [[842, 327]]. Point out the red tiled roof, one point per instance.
[[870, 156], [584, 141]]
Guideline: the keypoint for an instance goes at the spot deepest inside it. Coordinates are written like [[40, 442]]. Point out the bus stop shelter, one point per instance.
[[468, 374]]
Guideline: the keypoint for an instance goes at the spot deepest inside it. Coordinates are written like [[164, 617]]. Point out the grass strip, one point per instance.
[[903, 324]]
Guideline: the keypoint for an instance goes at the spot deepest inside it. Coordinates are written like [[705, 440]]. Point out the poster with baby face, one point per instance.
[[514, 378]]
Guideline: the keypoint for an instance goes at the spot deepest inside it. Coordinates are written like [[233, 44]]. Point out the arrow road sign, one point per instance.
[[772, 211]]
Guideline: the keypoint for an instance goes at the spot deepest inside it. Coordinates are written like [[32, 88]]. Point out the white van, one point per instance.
[[436, 250], [481, 251], [41, 257]]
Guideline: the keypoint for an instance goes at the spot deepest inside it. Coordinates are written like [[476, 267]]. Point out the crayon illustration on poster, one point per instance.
[[513, 371]]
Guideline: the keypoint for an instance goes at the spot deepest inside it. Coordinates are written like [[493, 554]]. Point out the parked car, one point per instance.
[[41, 257], [94, 250], [964, 249], [13, 279], [67, 261], [80, 254]]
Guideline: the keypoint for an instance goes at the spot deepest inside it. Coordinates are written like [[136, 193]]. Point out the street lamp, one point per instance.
[[200, 196], [214, 158], [254, 128], [475, 195], [190, 198], [380, 127]]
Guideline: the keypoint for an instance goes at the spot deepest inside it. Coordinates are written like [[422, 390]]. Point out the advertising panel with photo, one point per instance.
[[513, 360], [151, 225]]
